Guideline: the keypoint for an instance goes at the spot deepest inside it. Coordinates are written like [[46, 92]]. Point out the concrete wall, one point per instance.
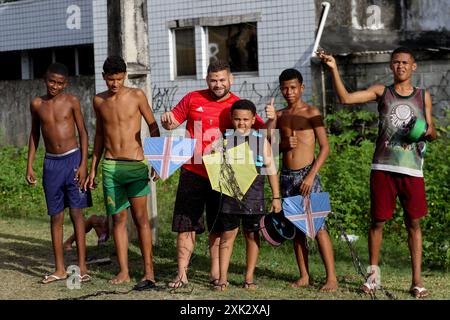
[[15, 118], [378, 25], [433, 74]]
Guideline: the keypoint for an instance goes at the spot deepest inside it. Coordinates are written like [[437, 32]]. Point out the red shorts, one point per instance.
[[385, 186]]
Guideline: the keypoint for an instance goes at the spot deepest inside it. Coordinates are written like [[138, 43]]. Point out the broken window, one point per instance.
[[235, 43]]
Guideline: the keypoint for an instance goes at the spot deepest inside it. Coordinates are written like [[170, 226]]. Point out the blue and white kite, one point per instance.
[[307, 213], [167, 154]]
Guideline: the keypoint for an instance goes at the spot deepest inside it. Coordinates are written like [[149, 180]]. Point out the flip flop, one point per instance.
[[214, 282], [368, 288], [145, 285], [178, 284], [419, 292], [85, 278], [52, 278], [220, 286], [249, 285]]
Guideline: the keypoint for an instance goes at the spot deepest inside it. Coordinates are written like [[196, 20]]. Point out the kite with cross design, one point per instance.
[[167, 154], [307, 213]]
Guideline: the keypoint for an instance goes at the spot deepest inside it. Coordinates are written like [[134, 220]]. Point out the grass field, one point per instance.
[[26, 255]]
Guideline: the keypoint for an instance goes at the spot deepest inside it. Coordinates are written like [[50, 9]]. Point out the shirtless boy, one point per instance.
[[59, 116], [119, 111], [300, 126]]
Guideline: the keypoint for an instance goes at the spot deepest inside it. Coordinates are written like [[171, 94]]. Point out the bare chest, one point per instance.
[[55, 114]]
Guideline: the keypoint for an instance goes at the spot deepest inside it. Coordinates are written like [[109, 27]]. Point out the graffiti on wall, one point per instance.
[[163, 98]]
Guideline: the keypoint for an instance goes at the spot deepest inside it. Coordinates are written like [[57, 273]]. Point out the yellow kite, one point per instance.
[[231, 173]]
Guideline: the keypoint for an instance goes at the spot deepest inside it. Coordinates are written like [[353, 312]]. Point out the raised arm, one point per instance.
[[33, 143], [147, 113], [362, 96], [81, 174], [430, 135]]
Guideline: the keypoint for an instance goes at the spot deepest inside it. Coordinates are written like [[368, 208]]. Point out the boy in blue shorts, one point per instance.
[[301, 125], [251, 208], [59, 116]]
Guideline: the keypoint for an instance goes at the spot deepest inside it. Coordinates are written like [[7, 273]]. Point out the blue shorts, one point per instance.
[[291, 180], [60, 188]]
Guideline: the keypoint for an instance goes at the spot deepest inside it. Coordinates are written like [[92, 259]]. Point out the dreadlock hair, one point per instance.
[[58, 68], [290, 74], [114, 64], [218, 65], [243, 105]]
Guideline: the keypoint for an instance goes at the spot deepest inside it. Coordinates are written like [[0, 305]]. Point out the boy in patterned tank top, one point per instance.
[[398, 159]]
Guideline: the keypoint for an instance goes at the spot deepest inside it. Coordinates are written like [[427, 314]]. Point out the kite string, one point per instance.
[[357, 261]]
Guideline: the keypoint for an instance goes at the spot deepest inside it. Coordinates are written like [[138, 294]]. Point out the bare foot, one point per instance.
[[302, 282], [120, 278], [329, 286]]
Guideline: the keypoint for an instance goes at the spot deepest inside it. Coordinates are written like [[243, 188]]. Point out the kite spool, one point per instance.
[[275, 228], [418, 130]]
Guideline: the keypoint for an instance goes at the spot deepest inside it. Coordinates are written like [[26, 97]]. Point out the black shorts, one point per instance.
[[229, 221], [194, 194]]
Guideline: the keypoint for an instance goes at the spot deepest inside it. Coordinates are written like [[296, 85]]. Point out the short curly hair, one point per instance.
[[58, 68], [218, 65], [114, 64]]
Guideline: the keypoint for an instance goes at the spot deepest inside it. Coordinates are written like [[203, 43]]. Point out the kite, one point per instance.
[[307, 213], [231, 172], [167, 154]]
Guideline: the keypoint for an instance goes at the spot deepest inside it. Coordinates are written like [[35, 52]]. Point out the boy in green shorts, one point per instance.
[[125, 172]]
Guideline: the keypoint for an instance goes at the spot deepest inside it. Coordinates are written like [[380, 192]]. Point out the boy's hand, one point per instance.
[[31, 178], [307, 184], [293, 140], [90, 182], [276, 205], [270, 110], [153, 175], [80, 176], [328, 59]]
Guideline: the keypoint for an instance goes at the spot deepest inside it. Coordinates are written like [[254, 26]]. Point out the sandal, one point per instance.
[[214, 282], [85, 278], [178, 284], [249, 285], [221, 286], [52, 278], [419, 292]]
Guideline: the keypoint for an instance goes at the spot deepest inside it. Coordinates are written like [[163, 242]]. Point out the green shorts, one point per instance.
[[122, 180]]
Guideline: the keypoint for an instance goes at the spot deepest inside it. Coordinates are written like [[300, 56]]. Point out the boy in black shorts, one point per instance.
[[252, 206]]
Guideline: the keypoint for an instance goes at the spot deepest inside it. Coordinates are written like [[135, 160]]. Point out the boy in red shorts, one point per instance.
[[398, 159]]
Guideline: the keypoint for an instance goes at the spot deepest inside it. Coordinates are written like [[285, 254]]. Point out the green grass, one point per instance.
[[26, 255]]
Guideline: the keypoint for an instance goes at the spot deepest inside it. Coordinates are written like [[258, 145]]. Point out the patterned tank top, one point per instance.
[[394, 152]]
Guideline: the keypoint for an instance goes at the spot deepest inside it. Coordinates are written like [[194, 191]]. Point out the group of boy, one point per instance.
[[208, 114]]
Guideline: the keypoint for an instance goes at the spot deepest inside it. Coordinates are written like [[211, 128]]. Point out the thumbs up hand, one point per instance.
[[270, 110], [293, 140]]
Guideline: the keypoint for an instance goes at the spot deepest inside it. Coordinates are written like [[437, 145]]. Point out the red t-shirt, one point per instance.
[[207, 119]]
